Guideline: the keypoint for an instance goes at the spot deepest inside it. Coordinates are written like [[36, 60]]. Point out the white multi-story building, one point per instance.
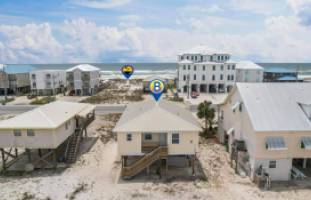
[[247, 71], [47, 82], [83, 79], [204, 71]]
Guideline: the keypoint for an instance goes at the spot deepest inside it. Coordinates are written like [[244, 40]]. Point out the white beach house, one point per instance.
[[202, 70], [54, 129], [83, 79], [267, 127], [248, 71], [47, 82], [152, 131]]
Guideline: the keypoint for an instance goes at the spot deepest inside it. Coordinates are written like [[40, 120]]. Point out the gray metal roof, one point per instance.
[[151, 116], [276, 106]]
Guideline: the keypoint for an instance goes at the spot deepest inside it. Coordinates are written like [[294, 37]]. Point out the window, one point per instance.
[[272, 164], [214, 67], [128, 137], [185, 78], [233, 67], [203, 67], [222, 57], [203, 77], [228, 77], [218, 57], [184, 67], [181, 58], [195, 68], [195, 57], [221, 67], [228, 67], [213, 78], [191, 57], [194, 77], [188, 67], [201, 58], [232, 77], [17, 133], [175, 138], [221, 76], [187, 57], [148, 136], [30, 132]]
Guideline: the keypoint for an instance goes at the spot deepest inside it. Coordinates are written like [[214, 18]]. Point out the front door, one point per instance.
[[163, 139]]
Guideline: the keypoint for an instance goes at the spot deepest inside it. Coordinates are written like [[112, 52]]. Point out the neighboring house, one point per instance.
[[248, 71], [47, 82], [277, 74], [205, 71], [46, 129], [267, 128], [83, 79], [15, 78], [151, 131]]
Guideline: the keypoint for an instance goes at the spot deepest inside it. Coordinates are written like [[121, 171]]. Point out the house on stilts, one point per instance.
[[153, 133], [44, 136]]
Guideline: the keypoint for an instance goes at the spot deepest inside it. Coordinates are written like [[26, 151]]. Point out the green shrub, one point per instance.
[[43, 100]]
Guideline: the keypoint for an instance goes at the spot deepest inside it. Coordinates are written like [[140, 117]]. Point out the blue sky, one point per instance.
[[58, 31]]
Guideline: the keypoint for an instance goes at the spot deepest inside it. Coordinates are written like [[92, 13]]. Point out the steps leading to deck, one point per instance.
[[144, 162]]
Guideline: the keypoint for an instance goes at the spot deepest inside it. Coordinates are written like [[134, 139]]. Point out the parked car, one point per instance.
[[194, 94]]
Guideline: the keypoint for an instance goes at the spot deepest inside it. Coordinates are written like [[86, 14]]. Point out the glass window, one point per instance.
[[181, 57], [175, 138], [194, 77], [221, 67], [272, 164], [221, 77], [233, 67], [185, 78], [184, 67], [203, 77], [194, 67], [213, 78], [188, 67], [232, 77], [195, 57], [148, 136], [214, 67], [17, 133], [187, 57], [129, 137], [228, 77], [228, 67], [30, 132], [203, 67], [201, 58]]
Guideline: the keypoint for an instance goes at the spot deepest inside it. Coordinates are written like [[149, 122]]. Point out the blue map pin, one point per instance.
[[127, 71], [156, 88]]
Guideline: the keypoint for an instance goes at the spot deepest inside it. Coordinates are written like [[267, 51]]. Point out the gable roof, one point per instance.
[[151, 116], [83, 67], [248, 65], [48, 116], [276, 106]]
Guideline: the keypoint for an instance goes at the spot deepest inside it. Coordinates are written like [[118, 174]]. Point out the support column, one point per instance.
[[40, 153], [192, 165], [3, 160], [16, 152], [304, 165], [28, 155]]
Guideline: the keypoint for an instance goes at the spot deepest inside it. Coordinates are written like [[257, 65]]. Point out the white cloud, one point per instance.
[[101, 4], [203, 9], [283, 39], [302, 9]]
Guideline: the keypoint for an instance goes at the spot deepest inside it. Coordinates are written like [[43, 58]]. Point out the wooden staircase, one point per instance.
[[73, 146], [144, 162]]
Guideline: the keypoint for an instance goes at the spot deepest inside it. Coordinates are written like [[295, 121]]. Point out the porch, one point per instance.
[[151, 141]]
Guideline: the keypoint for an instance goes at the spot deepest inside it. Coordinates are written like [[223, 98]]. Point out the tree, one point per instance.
[[207, 113]]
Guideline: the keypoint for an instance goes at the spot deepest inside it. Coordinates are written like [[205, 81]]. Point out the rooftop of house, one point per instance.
[[84, 67], [156, 117], [49, 116], [248, 65], [277, 106]]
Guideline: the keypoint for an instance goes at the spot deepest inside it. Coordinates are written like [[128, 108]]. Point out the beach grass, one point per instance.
[[43, 100]]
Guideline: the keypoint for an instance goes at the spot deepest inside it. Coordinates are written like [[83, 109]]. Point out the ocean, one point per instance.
[[142, 70]]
